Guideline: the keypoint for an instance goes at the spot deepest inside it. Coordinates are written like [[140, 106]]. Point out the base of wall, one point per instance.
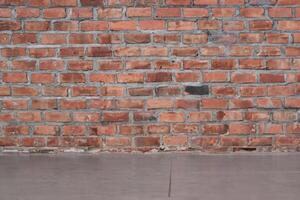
[[213, 150]]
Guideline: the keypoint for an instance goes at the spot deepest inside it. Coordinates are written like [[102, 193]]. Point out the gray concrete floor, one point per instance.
[[181, 176]]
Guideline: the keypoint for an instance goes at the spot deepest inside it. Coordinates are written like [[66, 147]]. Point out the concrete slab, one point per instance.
[[147, 176]]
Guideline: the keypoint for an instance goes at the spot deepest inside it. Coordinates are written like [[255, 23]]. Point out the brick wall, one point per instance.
[[213, 75]]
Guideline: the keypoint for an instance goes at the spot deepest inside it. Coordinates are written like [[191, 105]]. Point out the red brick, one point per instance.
[[270, 128], [5, 13], [71, 51], [55, 91], [243, 78], [99, 52], [115, 116], [84, 91], [29, 116], [152, 25], [118, 141], [215, 76], [65, 25], [9, 25], [159, 77], [271, 78], [195, 12], [57, 117], [288, 25], [241, 128], [33, 142], [112, 91], [205, 2], [101, 104], [209, 24], [175, 140], [159, 103], [123, 25], [64, 2], [105, 78], [281, 91], [223, 64], [55, 65], [54, 13], [241, 103], [15, 104], [103, 130], [93, 26], [23, 38], [287, 141], [269, 103], [41, 52], [214, 103], [140, 91], [252, 12], [81, 39], [4, 38], [16, 77], [36, 25], [108, 13], [165, 64], [292, 103], [223, 12], [45, 130], [137, 38], [260, 25], [24, 12], [172, 117], [253, 91], [181, 25], [72, 78], [127, 51], [280, 12], [43, 104], [185, 128], [284, 116], [147, 141], [86, 117], [251, 37], [39, 3], [168, 12], [288, 2], [70, 104], [16, 130], [204, 142], [178, 2], [269, 51], [158, 129], [138, 12], [233, 141], [13, 52], [200, 116], [78, 65], [73, 130], [195, 64], [24, 91], [215, 129], [81, 13], [131, 78]]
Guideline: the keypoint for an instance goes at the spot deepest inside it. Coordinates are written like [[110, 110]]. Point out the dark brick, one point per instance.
[[92, 3], [197, 90]]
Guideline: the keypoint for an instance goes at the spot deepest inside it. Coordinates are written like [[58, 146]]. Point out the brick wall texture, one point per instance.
[[126, 75]]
